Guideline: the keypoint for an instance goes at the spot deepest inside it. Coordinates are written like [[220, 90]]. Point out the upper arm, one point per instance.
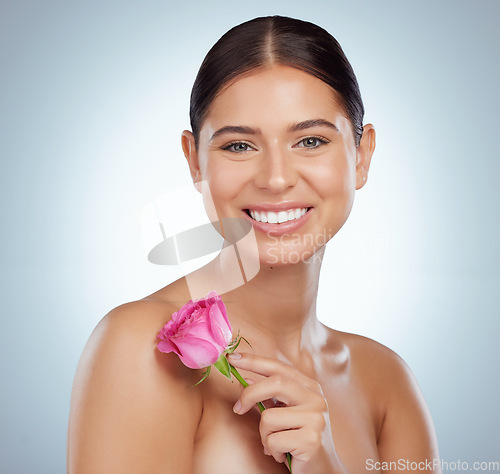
[[407, 434], [133, 409]]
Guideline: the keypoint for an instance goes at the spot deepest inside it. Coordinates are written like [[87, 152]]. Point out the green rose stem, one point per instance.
[[243, 382], [261, 406]]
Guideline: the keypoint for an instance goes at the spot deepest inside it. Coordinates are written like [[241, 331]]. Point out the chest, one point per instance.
[[227, 442]]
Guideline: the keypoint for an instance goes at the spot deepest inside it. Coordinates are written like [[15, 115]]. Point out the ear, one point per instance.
[[364, 154], [191, 154]]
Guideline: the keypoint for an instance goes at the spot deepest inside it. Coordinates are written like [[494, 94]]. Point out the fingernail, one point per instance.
[[237, 407], [235, 355], [250, 381]]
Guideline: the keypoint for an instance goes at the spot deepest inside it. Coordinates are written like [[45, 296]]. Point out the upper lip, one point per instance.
[[276, 207]]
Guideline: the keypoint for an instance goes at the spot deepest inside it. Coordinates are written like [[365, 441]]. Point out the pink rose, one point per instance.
[[198, 333]]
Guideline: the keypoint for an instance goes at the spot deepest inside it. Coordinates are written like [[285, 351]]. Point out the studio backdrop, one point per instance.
[[93, 99]]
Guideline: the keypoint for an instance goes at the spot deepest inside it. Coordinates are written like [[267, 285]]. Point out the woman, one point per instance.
[[277, 139]]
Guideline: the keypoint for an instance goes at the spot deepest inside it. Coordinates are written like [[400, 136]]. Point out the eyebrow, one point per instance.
[[256, 131], [310, 124]]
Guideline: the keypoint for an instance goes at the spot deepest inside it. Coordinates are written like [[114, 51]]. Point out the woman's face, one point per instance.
[[277, 150]]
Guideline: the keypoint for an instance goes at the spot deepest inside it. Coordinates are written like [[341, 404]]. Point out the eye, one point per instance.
[[237, 147], [312, 142]]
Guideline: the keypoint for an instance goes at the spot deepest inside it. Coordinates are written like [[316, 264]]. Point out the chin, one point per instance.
[[281, 256]]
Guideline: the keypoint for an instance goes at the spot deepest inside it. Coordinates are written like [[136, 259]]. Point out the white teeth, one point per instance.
[[272, 218], [278, 217], [282, 216]]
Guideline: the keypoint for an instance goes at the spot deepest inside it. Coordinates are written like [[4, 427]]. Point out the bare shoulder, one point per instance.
[[381, 370], [132, 406], [405, 429], [126, 336], [134, 324], [374, 361]]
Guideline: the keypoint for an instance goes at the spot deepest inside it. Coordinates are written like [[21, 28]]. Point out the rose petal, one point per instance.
[[222, 308], [198, 333], [167, 346], [184, 312], [168, 330], [197, 353], [198, 327], [220, 328], [210, 299]]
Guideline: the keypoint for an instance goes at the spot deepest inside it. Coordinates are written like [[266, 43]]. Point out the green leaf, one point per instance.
[[233, 346], [222, 365], [205, 375], [246, 342]]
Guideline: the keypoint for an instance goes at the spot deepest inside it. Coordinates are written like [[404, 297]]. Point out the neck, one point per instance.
[[277, 308]]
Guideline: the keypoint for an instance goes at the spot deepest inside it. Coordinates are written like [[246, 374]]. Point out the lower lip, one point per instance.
[[280, 229]]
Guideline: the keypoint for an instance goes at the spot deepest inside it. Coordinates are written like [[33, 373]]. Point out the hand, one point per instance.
[[300, 427]]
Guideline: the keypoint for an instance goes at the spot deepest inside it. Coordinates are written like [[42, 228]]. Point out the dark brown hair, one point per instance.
[[276, 40]]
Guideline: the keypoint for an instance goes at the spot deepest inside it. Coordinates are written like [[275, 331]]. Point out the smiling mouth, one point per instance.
[[277, 217]]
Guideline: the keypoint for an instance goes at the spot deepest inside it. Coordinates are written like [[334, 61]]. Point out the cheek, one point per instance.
[[334, 177], [335, 183], [225, 181]]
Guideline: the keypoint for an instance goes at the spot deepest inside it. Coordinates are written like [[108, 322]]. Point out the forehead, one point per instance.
[[271, 96]]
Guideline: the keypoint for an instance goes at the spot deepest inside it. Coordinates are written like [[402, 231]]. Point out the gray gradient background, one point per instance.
[[93, 98]]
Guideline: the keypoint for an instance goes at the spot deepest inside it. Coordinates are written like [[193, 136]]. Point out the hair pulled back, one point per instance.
[[276, 40]]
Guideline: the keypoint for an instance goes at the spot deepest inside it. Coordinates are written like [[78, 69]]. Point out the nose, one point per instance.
[[276, 172]]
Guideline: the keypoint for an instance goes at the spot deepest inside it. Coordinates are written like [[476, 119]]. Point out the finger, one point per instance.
[[267, 366], [284, 389], [276, 442], [290, 419], [279, 419], [302, 444]]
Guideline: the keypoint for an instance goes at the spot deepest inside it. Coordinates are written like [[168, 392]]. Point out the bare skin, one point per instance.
[[346, 401]]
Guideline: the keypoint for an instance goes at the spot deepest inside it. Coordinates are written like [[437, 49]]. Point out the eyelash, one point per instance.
[[322, 141], [230, 144]]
